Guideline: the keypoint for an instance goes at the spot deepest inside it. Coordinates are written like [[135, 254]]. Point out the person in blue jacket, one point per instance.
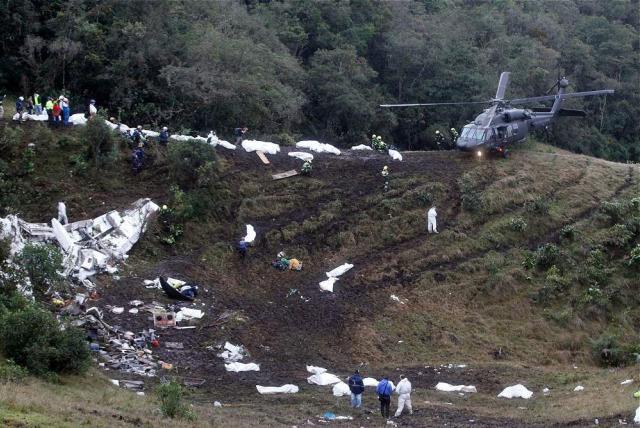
[[164, 136], [384, 390], [356, 385], [20, 107], [242, 248]]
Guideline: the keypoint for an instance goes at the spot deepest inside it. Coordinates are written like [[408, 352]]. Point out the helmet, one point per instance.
[[61, 97], [139, 126], [93, 101], [164, 128], [21, 98]]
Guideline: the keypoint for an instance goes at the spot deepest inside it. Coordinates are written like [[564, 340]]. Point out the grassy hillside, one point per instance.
[[531, 264]]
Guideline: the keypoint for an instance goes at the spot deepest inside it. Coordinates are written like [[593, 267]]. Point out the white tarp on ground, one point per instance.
[[636, 419], [317, 146], [301, 155], [148, 133], [215, 141], [340, 389], [181, 137], [578, 388], [232, 353], [361, 147], [26, 116], [340, 270], [188, 314], [516, 391], [327, 284], [251, 234], [369, 381], [323, 379], [263, 146], [241, 367], [90, 246], [316, 370], [442, 386], [395, 155], [284, 389], [78, 119], [626, 382]]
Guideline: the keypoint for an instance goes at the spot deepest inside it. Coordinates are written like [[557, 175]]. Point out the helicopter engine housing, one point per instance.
[[511, 115]]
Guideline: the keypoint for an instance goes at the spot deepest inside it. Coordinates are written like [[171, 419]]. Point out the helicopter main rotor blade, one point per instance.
[[563, 96], [433, 104], [502, 85]]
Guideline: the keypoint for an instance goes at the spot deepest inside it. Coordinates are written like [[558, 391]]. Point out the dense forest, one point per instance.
[[300, 69]]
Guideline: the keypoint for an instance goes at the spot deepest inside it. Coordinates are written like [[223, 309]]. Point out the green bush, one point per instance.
[[33, 338], [41, 263], [607, 352], [568, 232], [547, 255], [618, 236], [634, 257], [28, 161], [616, 211], [101, 143], [537, 206], [171, 405], [517, 224], [79, 164], [470, 199], [12, 372], [185, 160]]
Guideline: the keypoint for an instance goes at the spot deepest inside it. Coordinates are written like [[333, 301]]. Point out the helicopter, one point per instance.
[[501, 124]]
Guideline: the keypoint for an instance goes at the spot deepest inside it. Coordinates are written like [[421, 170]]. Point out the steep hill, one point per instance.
[[530, 266]]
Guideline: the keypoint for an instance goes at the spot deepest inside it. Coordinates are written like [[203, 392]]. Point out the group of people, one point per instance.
[[384, 390]]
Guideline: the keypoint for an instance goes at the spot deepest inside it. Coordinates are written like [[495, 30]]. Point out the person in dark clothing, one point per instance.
[[384, 391], [239, 134], [20, 107], [242, 249], [164, 136], [356, 385], [138, 159]]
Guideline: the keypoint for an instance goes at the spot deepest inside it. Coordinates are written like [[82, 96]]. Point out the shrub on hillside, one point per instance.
[[100, 142], [12, 372], [547, 255], [634, 257], [568, 232], [41, 263], [607, 352], [517, 224], [470, 195], [185, 160], [537, 206], [617, 211], [171, 405], [33, 338], [618, 236]]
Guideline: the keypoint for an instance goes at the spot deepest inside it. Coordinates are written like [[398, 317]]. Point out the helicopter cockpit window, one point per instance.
[[465, 132]]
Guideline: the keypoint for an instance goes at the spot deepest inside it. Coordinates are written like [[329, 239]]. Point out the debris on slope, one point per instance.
[[262, 146], [516, 391], [333, 276], [340, 389], [90, 246], [301, 155], [395, 155], [284, 389], [318, 147], [361, 147], [442, 386]]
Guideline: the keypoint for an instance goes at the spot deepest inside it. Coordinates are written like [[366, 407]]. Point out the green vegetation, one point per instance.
[[170, 395], [41, 262], [297, 68]]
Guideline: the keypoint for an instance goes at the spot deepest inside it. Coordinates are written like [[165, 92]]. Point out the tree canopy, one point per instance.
[[320, 69]]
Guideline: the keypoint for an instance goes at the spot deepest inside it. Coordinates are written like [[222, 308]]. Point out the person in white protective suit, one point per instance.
[[431, 220], [403, 389], [62, 213]]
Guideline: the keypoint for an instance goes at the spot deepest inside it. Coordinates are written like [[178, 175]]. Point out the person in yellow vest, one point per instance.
[[36, 104], [49, 108]]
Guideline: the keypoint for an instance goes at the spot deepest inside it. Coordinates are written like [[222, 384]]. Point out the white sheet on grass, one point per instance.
[[241, 367], [395, 155], [340, 389], [361, 147], [318, 147], [369, 381], [323, 379], [251, 234], [578, 388], [284, 389], [181, 137], [340, 270], [327, 284], [626, 382], [263, 146], [148, 133], [232, 353], [636, 419], [215, 141], [301, 155], [78, 119], [38, 117], [188, 313], [516, 391], [442, 386], [316, 370]]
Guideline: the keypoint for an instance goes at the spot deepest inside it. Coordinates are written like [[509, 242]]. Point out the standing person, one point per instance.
[[138, 137], [37, 104], [356, 385], [20, 107], [404, 395], [49, 108], [431, 220], [385, 177], [92, 109], [164, 136], [242, 248], [384, 390], [57, 112], [307, 166], [64, 105], [29, 106], [138, 159], [62, 213], [239, 134]]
